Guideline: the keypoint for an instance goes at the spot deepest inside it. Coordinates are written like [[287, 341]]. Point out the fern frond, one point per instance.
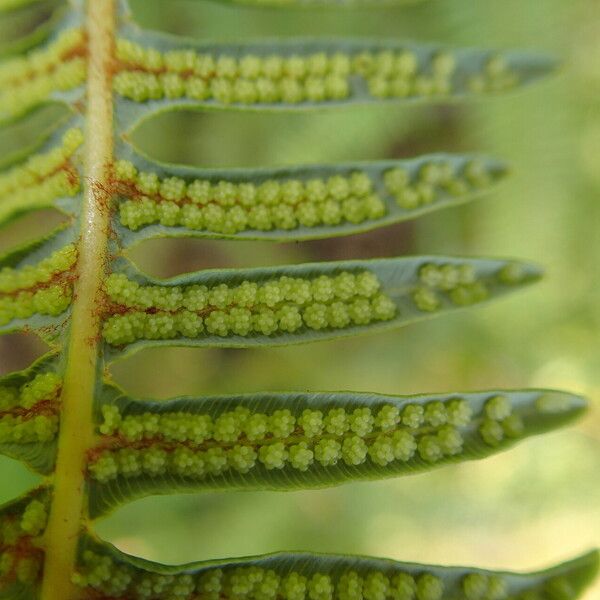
[[53, 72], [22, 524], [298, 440], [297, 303], [29, 413], [36, 285], [47, 179], [156, 72], [8, 5], [308, 576], [77, 290], [292, 203]]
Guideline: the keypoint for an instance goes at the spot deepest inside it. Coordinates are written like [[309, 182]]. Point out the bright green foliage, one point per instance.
[[303, 3], [310, 74], [321, 577], [42, 179], [30, 80], [6, 5], [285, 441]]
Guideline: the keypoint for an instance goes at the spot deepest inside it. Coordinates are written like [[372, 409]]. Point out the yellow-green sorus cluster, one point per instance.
[[458, 282], [43, 177], [148, 74], [499, 421], [196, 445], [435, 179], [101, 573], [29, 290], [229, 208], [400, 74], [16, 562], [151, 75], [496, 76], [278, 306], [477, 586], [60, 261], [33, 521], [19, 422], [255, 583], [31, 79], [43, 387]]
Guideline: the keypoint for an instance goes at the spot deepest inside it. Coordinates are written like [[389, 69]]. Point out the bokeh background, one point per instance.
[[534, 505]]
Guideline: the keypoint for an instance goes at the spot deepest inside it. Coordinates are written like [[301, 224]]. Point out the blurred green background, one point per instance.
[[531, 506]]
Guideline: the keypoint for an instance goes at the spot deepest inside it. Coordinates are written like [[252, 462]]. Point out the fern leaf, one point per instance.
[[36, 285], [47, 179], [299, 440], [52, 73], [158, 73], [22, 524], [308, 576], [292, 203], [29, 412], [298, 303]]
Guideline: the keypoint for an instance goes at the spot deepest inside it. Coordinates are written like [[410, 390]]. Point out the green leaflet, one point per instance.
[[22, 522], [159, 73], [296, 303], [303, 202], [302, 575], [53, 72], [29, 408], [41, 300], [49, 178], [284, 441]]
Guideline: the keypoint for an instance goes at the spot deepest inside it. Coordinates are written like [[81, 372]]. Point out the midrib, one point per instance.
[[69, 508]]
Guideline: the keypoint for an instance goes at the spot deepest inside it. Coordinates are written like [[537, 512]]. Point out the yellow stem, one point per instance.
[[69, 509]]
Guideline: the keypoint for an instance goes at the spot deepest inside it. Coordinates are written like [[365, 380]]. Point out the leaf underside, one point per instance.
[[278, 441], [286, 441], [299, 575]]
